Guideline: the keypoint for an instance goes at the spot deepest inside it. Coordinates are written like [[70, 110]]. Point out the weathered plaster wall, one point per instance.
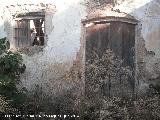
[[63, 40], [63, 30], [59, 53]]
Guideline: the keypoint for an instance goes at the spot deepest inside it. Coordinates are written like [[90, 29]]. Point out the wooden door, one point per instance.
[[118, 36], [97, 39]]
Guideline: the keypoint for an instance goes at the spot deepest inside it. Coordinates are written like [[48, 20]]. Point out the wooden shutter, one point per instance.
[[22, 33]]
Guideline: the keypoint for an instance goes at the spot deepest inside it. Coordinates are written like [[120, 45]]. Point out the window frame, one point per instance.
[[28, 17]]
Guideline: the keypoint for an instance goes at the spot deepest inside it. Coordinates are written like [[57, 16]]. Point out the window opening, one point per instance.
[[29, 31]]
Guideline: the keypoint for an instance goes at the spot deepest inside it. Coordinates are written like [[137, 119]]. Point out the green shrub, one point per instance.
[[11, 67]]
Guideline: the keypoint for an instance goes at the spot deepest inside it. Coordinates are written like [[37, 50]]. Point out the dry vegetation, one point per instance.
[[122, 102], [109, 93]]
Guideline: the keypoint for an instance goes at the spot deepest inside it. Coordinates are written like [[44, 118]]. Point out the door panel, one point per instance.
[[115, 41], [118, 36], [97, 38], [128, 44]]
